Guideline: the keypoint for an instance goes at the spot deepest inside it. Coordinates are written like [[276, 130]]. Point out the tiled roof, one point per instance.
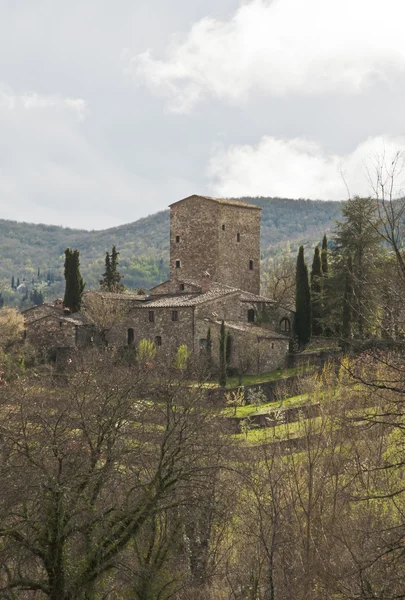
[[116, 296], [75, 319], [249, 297], [229, 201], [190, 299], [262, 332]]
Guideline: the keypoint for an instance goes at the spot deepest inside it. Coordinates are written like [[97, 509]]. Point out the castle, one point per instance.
[[214, 277]]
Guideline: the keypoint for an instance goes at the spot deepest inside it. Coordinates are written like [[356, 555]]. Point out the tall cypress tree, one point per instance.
[[209, 348], [347, 301], [222, 356], [324, 256], [74, 281], [302, 321], [316, 293], [12, 282], [111, 281]]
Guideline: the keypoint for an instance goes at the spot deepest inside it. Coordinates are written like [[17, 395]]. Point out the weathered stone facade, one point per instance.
[[221, 237]]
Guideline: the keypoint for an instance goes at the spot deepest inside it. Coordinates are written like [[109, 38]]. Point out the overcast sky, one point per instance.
[[112, 109]]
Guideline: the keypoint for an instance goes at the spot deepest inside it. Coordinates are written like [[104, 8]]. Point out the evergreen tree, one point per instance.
[[324, 256], [347, 302], [302, 321], [36, 297], [18, 281], [74, 281], [39, 273], [1, 300], [12, 283], [222, 356], [111, 281], [209, 348], [316, 293], [357, 236]]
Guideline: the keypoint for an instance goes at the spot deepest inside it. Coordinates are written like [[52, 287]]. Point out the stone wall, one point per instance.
[[239, 243], [172, 334], [225, 308], [250, 353], [218, 238], [268, 314], [51, 332]]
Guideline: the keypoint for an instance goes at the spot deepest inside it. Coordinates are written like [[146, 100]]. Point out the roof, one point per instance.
[[249, 297], [228, 201], [75, 319], [188, 300], [117, 296], [262, 332]]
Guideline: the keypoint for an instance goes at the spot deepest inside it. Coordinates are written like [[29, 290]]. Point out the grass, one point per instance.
[[277, 375], [250, 410]]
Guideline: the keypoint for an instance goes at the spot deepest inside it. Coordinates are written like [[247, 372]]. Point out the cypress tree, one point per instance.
[[12, 283], [1, 300], [74, 281], [316, 293], [209, 348], [347, 301], [222, 356], [302, 321], [111, 281], [18, 281], [324, 256]]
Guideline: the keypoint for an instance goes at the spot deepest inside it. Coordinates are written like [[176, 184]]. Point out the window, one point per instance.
[[203, 345], [158, 341], [182, 287], [175, 315], [60, 323], [177, 239], [151, 316], [272, 345], [251, 265], [238, 237], [251, 315], [130, 336], [177, 264], [223, 227], [285, 325]]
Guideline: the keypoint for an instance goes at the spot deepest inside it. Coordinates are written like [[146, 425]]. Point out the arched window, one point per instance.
[[285, 325], [251, 315], [130, 336], [158, 341]]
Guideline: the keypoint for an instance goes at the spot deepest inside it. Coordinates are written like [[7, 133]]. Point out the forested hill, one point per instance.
[[144, 244]]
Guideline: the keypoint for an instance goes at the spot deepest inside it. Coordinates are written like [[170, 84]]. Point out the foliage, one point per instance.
[[222, 355], [182, 356], [302, 321], [74, 284], [316, 293], [146, 351], [111, 281]]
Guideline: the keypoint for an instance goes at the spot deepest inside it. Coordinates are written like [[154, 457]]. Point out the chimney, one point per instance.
[[206, 282]]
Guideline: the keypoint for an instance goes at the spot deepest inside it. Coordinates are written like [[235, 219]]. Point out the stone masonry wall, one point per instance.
[[50, 332], [172, 333], [239, 243], [194, 223]]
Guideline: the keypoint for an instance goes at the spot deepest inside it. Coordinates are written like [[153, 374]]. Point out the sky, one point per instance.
[[112, 110]]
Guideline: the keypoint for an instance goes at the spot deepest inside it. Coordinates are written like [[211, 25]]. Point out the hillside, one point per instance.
[[143, 245]]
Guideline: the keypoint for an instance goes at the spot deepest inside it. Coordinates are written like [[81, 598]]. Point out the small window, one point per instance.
[[177, 264], [158, 341], [238, 237], [285, 325], [131, 336], [151, 316], [251, 265], [60, 323], [272, 345], [251, 315], [177, 239], [223, 227], [182, 287], [175, 315]]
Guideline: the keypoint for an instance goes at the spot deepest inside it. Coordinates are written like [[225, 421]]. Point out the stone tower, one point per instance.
[[218, 236]]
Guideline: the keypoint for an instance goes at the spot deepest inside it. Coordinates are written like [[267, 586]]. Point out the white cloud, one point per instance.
[[33, 101], [282, 47], [297, 168]]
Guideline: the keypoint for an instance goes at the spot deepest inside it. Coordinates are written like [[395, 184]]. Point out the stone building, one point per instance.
[[214, 277]]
